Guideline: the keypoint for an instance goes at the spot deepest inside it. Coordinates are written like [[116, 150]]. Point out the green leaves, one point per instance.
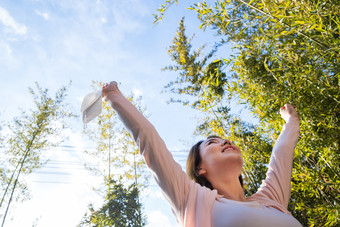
[[116, 153], [121, 208], [160, 11], [29, 135], [116, 157], [202, 79], [285, 52]]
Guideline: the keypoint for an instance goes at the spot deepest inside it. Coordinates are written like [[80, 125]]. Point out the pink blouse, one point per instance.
[[194, 205]]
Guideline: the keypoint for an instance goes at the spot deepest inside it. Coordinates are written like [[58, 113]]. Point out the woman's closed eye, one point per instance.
[[211, 141]]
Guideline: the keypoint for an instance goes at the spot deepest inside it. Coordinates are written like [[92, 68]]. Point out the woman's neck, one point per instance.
[[230, 190]]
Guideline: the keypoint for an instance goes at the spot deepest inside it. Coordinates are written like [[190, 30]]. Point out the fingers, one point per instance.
[[109, 89], [104, 90], [283, 108], [113, 85], [288, 107], [288, 111]]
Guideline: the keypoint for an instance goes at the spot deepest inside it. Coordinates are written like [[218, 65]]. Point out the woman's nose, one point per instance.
[[227, 142]]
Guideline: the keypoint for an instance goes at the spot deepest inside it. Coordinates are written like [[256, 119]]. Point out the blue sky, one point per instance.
[[53, 42]]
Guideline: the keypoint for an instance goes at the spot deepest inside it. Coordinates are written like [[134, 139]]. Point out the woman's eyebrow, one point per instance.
[[210, 139]]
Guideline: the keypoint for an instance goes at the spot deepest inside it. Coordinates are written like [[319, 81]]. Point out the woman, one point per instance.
[[217, 199]]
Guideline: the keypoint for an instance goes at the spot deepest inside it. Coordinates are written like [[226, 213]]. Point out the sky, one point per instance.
[[55, 42]]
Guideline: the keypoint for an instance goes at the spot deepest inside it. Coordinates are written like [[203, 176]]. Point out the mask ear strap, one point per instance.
[[104, 86]]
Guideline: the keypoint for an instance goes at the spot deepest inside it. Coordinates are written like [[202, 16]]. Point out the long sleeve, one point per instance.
[[168, 174], [277, 185]]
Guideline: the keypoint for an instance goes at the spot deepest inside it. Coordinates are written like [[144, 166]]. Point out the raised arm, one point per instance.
[[167, 173], [277, 185]]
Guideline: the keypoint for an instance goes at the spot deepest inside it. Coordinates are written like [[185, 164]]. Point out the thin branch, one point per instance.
[[286, 24], [19, 171], [9, 183]]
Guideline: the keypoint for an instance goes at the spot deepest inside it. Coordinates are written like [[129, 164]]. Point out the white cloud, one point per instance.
[[137, 92], [5, 48], [8, 61], [103, 20], [12, 26], [154, 193], [83, 42], [157, 218], [43, 15]]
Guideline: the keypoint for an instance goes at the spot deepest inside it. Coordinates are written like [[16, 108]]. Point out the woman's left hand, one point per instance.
[[288, 112]]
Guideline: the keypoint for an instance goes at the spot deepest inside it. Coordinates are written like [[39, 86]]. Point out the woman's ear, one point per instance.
[[201, 171]]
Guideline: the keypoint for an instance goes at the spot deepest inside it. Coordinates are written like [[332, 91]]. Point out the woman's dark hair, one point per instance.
[[194, 160]]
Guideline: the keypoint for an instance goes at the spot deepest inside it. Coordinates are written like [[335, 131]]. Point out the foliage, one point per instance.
[[283, 52], [29, 135], [159, 16], [116, 151], [119, 162], [121, 208]]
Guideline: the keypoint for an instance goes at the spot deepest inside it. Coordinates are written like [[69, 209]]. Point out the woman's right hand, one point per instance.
[[110, 90], [288, 112]]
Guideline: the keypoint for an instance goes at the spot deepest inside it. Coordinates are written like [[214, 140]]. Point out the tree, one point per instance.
[[29, 135], [116, 152], [121, 208], [283, 52], [202, 82], [117, 156]]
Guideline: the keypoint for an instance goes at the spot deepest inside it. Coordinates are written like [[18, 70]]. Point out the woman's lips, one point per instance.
[[227, 148]]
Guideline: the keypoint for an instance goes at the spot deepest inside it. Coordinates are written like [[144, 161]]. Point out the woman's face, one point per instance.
[[218, 157]]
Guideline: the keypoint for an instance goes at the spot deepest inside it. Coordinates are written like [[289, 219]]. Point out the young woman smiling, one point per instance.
[[211, 192]]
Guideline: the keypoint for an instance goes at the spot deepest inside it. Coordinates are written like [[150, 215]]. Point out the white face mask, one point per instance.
[[91, 106]]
